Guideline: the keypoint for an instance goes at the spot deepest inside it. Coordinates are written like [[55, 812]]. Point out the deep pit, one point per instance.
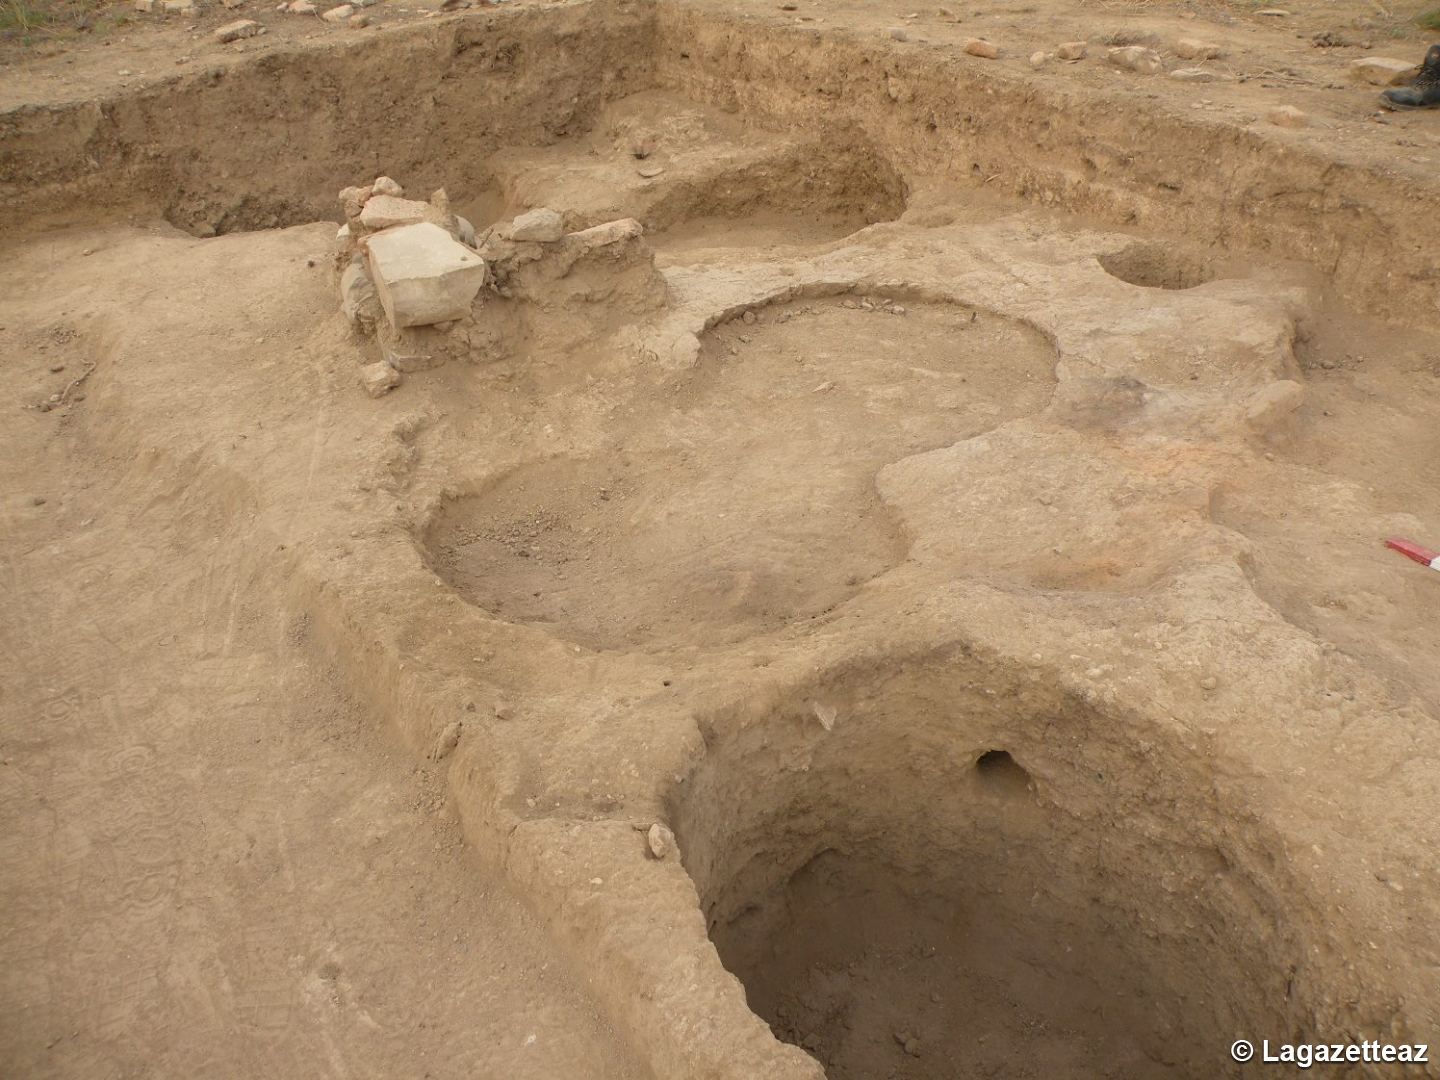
[[901, 897]]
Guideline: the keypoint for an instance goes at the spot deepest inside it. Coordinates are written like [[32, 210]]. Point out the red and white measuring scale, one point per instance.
[[1415, 551]]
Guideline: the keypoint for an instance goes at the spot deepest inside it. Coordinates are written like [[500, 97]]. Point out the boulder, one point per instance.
[[422, 274]]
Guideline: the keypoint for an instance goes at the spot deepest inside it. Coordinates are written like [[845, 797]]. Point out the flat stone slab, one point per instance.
[[386, 211], [1382, 71], [423, 275]]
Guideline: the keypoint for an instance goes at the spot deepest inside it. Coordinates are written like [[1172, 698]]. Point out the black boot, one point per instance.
[[1423, 91]]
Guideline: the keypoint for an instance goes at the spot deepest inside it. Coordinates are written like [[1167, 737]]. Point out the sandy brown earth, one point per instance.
[[958, 518]]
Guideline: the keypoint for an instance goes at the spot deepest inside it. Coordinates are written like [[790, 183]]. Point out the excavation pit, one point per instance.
[[902, 897], [769, 517]]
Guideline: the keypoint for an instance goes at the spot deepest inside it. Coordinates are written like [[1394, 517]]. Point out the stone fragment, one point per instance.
[[359, 302], [982, 48], [541, 225], [1382, 71], [1272, 405], [301, 7], [379, 379], [361, 19], [178, 7], [446, 742], [338, 14], [1287, 116], [1199, 75], [464, 231], [1037, 59], [241, 28], [231, 5], [1193, 49], [612, 232], [386, 211], [1072, 50], [342, 234], [898, 33], [1136, 58], [145, 5], [383, 185], [661, 840], [423, 275]]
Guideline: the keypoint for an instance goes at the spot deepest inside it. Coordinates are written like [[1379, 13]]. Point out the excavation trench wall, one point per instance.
[[1112, 156], [266, 141]]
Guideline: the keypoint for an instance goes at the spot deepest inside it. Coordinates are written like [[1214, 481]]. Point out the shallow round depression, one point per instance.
[[970, 875], [744, 502]]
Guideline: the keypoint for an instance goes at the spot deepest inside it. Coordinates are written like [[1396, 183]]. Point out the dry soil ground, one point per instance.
[[958, 517]]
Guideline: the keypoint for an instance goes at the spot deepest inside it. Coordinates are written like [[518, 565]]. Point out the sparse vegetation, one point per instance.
[[1429, 20]]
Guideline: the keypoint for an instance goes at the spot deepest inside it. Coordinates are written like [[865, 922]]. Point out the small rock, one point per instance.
[[338, 14], [898, 33], [1197, 75], [1191, 49], [982, 48], [342, 234], [1037, 59], [541, 225], [912, 1046], [55, 369], [379, 379], [449, 738], [649, 172], [383, 185], [1274, 13], [661, 840], [301, 7], [231, 5], [386, 211], [178, 7], [145, 5], [1382, 71], [611, 232], [241, 28], [1287, 116], [361, 19], [748, 317], [1209, 682], [464, 231], [38, 500], [1073, 50], [1136, 58]]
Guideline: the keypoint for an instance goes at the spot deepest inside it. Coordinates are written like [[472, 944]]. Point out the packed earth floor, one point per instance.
[[866, 561]]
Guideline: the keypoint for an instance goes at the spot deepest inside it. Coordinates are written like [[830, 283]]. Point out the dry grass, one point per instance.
[[27, 21]]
